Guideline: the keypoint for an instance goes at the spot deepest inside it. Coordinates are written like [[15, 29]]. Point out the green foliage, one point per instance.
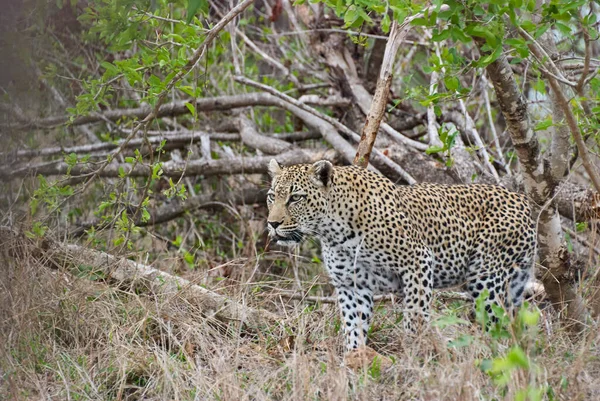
[[513, 343], [448, 138], [194, 6], [49, 194]]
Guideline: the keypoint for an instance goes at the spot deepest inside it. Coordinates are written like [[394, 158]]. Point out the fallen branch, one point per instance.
[[187, 137], [296, 136], [338, 57], [172, 109], [121, 270], [241, 165], [250, 136]]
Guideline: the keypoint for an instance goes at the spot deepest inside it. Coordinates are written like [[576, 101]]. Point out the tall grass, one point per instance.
[[86, 338]]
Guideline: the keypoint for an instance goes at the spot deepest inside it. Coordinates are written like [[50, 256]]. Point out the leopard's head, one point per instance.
[[297, 200]]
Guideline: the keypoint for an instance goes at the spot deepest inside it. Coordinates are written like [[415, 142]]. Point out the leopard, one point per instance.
[[378, 238]]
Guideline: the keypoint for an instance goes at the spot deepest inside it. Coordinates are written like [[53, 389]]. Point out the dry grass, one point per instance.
[[71, 338]]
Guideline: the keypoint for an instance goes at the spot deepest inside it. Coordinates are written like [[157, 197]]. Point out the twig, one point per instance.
[[492, 125], [168, 212], [286, 72], [250, 136], [541, 55], [432, 130], [470, 126], [384, 82]]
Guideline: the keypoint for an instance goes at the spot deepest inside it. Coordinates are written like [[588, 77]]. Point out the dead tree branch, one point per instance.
[[250, 136], [173, 109], [328, 128], [241, 165], [382, 90], [175, 139], [121, 270]]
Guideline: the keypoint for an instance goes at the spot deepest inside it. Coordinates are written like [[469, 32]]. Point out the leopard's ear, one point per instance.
[[274, 168], [321, 173]]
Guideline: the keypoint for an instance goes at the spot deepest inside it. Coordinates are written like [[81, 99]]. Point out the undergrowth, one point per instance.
[[69, 337]]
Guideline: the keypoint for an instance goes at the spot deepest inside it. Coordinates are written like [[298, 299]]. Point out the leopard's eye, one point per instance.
[[270, 198], [296, 198]]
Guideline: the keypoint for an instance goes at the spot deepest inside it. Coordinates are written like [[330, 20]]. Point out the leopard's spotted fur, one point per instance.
[[378, 238]]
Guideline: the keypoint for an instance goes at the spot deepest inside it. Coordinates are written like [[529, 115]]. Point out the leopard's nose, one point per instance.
[[274, 224]]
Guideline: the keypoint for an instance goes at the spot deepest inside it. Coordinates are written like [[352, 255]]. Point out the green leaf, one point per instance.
[[540, 30], [339, 7], [448, 320], [419, 22], [191, 108], [439, 36], [451, 83], [434, 149], [564, 29], [539, 86], [529, 318], [483, 32], [145, 215], [518, 357], [462, 341], [490, 58], [545, 124], [193, 7], [350, 16], [385, 23], [189, 258], [528, 25], [458, 34]]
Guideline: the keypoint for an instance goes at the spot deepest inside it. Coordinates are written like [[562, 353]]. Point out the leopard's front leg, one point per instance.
[[356, 306], [352, 281]]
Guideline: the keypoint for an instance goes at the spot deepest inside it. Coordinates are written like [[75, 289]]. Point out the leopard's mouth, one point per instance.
[[291, 238]]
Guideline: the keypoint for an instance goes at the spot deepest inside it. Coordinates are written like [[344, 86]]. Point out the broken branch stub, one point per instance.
[[379, 101]]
